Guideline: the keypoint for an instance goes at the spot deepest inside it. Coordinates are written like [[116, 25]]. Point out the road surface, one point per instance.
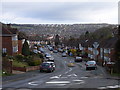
[[65, 77]]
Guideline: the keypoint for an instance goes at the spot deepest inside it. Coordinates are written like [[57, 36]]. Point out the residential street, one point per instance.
[[64, 77]]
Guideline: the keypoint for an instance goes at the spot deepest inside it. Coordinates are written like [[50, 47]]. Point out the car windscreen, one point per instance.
[[45, 64]]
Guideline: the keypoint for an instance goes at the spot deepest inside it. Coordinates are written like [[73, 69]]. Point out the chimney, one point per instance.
[[9, 25]]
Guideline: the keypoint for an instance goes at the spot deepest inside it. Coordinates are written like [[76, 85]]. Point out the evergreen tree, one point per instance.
[[117, 53], [25, 48], [57, 41]]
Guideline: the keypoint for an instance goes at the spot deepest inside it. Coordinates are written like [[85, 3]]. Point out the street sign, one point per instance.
[[95, 52], [95, 45]]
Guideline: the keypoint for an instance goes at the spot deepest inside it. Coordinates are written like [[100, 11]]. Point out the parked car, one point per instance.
[[55, 51], [51, 59], [91, 65], [50, 48], [60, 50], [47, 55], [42, 50], [78, 59], [64, 54], [47, 67]]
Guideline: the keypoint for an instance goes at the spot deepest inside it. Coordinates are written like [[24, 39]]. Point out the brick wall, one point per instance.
[[7, 43], [7, 65], [25, 69], [19, 46]]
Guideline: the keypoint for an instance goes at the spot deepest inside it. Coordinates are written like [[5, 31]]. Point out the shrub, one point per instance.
[[35, 62], [32, 53], [19, 64], [4, 54], [41, 55], [19, 57]]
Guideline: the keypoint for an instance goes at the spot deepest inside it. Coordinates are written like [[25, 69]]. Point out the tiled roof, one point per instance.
[[8, 30]]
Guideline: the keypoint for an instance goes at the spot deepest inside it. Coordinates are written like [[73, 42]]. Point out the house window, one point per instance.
[[101, 52], [15, 49], [4, 50], [15, 38]]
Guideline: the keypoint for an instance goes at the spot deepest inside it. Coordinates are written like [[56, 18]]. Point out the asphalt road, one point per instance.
[[66, 77]]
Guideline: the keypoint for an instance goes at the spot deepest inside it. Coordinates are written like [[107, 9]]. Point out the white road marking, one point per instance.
[[106, 87], [32, 83], [75, 75], [83, 77], [54, 77], [66, 72], [70, 69], [72, 75], [78, 80], [116, 86], [58, 82], [60, 75], [64, 77]]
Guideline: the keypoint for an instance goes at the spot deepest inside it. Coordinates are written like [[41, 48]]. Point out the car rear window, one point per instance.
[[90, 62], [45, 64]]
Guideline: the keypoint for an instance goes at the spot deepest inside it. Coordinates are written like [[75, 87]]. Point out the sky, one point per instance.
[[59, 12]]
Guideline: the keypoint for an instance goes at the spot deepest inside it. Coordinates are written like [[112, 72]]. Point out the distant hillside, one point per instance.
[[64, 30]]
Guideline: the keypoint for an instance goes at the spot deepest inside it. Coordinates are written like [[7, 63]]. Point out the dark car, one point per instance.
[[78, 59], [47, 67]]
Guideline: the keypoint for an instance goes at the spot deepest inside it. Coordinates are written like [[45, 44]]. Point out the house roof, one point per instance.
[[109, 43], [7, 30]]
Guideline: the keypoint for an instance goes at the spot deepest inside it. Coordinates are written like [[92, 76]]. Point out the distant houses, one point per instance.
[[104, 53]]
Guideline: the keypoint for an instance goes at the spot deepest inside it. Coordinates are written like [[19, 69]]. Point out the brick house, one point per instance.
[[9, 40], [107, 50]]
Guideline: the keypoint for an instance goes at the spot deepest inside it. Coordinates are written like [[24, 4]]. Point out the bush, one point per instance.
[[32, 53], [34, 62], [40, 55], [5, 73], [19, 57], [19, 64], [4, 54]]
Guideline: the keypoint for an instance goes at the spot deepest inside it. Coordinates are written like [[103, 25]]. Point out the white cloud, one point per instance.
[[60, 1], [60, 12]]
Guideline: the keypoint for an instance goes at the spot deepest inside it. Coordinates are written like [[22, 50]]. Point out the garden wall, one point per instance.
[[25, 69]]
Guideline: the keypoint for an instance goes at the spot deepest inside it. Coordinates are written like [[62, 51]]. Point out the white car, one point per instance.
[[91, 65], [64, 54], [51, 59], [47, 55]]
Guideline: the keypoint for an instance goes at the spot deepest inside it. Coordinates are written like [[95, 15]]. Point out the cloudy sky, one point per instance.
[[63, 12]]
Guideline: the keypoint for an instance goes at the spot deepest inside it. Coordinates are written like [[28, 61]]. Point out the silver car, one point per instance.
[[91, 65]]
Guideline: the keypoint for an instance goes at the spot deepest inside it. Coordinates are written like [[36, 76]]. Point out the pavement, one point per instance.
[[17, 72], [18, 75]]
